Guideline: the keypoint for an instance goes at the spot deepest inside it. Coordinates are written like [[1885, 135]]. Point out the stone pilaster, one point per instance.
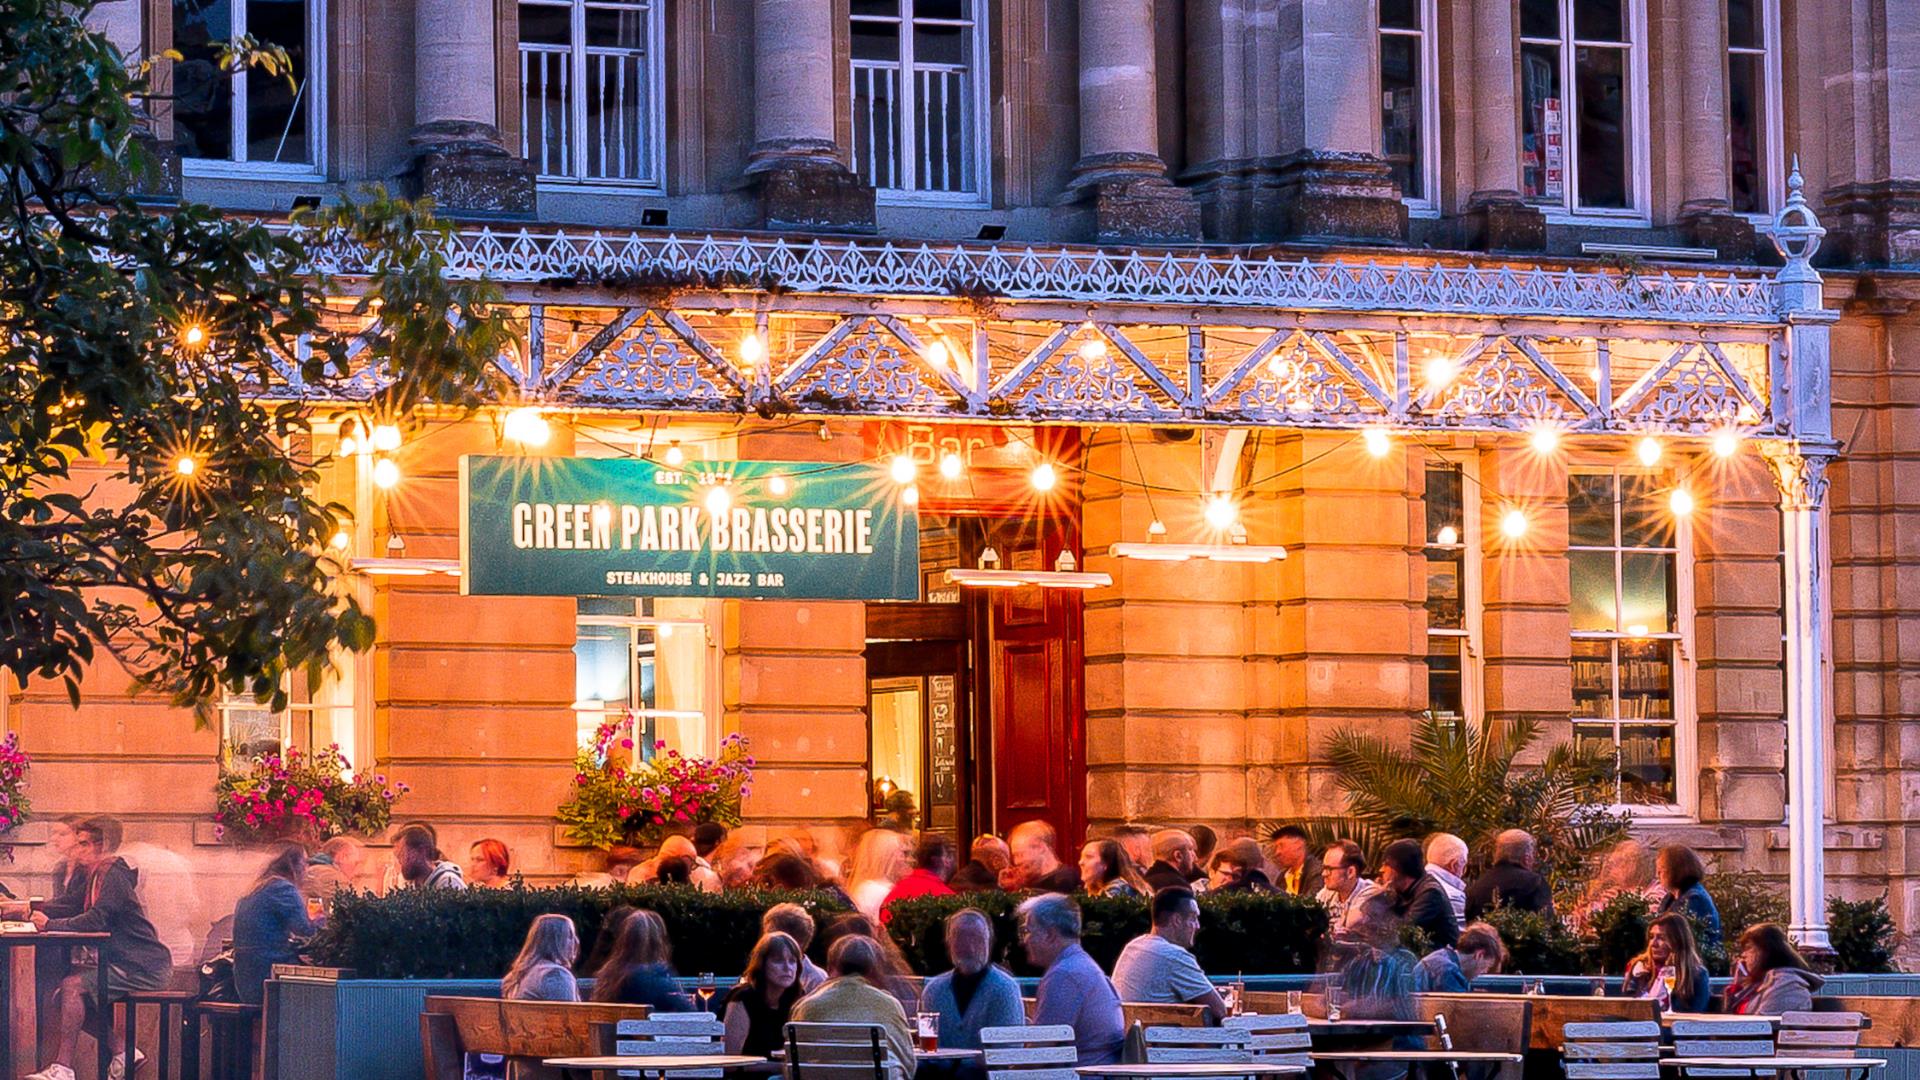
[[797, 174], [1495, 216], [1120, 192], [1706, 214], [1872, 150], [459, 160]]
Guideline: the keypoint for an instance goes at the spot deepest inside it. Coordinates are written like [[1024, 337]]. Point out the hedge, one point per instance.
[[475, 934], [1267, 934]]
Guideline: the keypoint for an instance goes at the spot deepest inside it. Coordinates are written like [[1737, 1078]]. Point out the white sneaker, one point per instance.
[[117, 1068], [53, 1072]]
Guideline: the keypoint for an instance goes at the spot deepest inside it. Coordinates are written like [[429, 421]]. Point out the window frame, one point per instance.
[[709, 714], [1428, 149], [1639, 168], [654, 154], [1472, 605], [297, 719], [979, 103], [1772, 121], [317, 95], [1685, 721]]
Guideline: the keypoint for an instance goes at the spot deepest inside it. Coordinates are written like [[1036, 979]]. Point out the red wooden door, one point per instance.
[[1039, 713]]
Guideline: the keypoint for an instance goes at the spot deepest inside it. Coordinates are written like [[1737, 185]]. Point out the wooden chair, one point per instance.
[[1279, 1038], [841, 1052], [1172, 1043], [1729, 1037], [1890, 1023], [1550, 1014], [694, 1034], [1822, 1034], [1153, 1014], [1476, 1022], [1029, 1053], [1618, 1050], [523, 1032]]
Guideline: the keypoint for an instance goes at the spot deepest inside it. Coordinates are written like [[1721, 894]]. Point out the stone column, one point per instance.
[[1705, 211], [1496, 217], [1120, 192], [1872, 140], [1803, 489], [459, 159], [1330, 180], [797, 171]]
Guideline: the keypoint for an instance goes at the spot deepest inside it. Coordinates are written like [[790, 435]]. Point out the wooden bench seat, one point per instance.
[[523, 1032]]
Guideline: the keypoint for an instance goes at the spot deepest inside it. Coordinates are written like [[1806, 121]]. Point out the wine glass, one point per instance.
[[705, 991], [1669, 978]]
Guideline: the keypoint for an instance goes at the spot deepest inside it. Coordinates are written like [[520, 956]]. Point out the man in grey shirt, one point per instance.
[[1159, 966], [1074, 991]]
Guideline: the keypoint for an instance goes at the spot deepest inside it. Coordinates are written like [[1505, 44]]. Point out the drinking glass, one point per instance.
[[1599, 987], [705, 991], [928, 1025], [1333, 1003], [1668, 979], [1293, 1003]]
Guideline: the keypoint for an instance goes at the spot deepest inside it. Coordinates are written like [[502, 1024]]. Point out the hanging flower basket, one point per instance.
[[306, 798], [619, 798], [14, 807]]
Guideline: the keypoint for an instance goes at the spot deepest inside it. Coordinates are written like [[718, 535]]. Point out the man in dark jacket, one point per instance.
[[1511, 880], [1300, 871], [1418, 898], [986, 858], [1174, 858]]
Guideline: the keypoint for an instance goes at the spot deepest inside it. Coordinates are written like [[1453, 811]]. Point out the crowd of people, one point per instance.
[[1419, 884]]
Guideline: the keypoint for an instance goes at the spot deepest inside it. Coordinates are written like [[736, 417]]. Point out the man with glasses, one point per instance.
[[1344, 869], [1074, 991], [1159, 966]]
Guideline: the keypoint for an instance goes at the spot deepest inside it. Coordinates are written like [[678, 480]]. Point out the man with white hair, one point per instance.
[[1446, 861], [1511, 881], [1074, 991]]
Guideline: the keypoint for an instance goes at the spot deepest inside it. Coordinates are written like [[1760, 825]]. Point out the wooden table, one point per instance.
[[20, 998], [1361, 1027], [1192, 1069], [1777, 1063], [1669, 1017], [656, 1064], [1474, 1057]]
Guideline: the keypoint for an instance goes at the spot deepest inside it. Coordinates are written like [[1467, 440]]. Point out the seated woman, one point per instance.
[[1670, 951], [269, 922], [544, 969], [1770, 978], [639, 971], [756, 1011], [1105, 870], [1680, 873]]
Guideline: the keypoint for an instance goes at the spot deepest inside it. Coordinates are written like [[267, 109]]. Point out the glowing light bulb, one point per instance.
[[951, 466], [719, 501], [1448, 536], [1439, 371], [340, 540], [347, 447], [1726, 444], [1093, 348], [386, 473], [1545, 440], [777, 486], [527, 427], [1514, 524], [1377, 441], [1043, 478], [902, 469], [1157, 529], [674, 457], [752, 351], [910, 495], [185, 465], [1221, 513], [193, 336], [1681, 501], [1648, 451], [936, 353], [386, 438]]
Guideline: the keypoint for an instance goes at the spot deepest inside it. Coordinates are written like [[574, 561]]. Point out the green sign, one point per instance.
[[625, 527]]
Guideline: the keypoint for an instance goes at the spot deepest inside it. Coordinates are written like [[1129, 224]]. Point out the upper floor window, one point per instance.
[[657, 658], [590, 90], [1408, 97], [917, 98], [1453, 595], [318, 714], [1581, 72], [251, 116], [1631, 597], [1753, 104]]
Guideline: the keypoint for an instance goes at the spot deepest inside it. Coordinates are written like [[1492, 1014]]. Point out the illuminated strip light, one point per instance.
[[372, 567], [1240, 553], [1046, 579]]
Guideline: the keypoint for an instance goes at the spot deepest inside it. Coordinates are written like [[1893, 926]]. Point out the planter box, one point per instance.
[[357, 1029]]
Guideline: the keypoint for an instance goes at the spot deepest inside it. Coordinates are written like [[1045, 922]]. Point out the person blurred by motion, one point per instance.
[[974, 993], [933, 864], [417, 854], [270, 922]]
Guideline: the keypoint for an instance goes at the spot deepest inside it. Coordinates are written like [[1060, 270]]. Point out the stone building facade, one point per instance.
[[1591, 157]]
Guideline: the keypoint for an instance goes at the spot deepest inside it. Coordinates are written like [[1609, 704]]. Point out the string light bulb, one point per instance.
[[777, 486], [902, 469], [1514, 524], [1094, 347], [910, 495], [386, 473], [1545, 439], [386, 438], [347, 446], [193, 335], [1439, 371], [1681, 502], [1448, 536], [1377, 441], [1157, 530], [340, 540], [185, 465], [1221, 513], [1043, 477], [674, 457], [1726, 444], [936, 353], [752, 351], [527, 427], [951, 466], [1648, 451], [719, 501]]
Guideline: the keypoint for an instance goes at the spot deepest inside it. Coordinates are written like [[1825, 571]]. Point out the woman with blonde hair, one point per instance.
[[1670, 955], [879, 862], [544, 969]]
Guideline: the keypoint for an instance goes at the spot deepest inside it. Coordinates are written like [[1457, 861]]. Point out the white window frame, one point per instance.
[[908, 160], [709, 713], [316, 96], [295, 734], [653, 123], [1686, 717], [1427, 205], [1472, 608], [1771, 152], [1639, 170]]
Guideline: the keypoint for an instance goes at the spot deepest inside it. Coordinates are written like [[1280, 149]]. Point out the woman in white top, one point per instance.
[[879, 862]]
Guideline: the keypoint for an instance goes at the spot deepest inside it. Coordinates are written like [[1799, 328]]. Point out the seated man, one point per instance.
[[975, 994], [855, 993], [1074, 991], [1344, 868], [1452, 969], [1416, 894], [1511, 880], [1175, 858], [1158, 966]]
